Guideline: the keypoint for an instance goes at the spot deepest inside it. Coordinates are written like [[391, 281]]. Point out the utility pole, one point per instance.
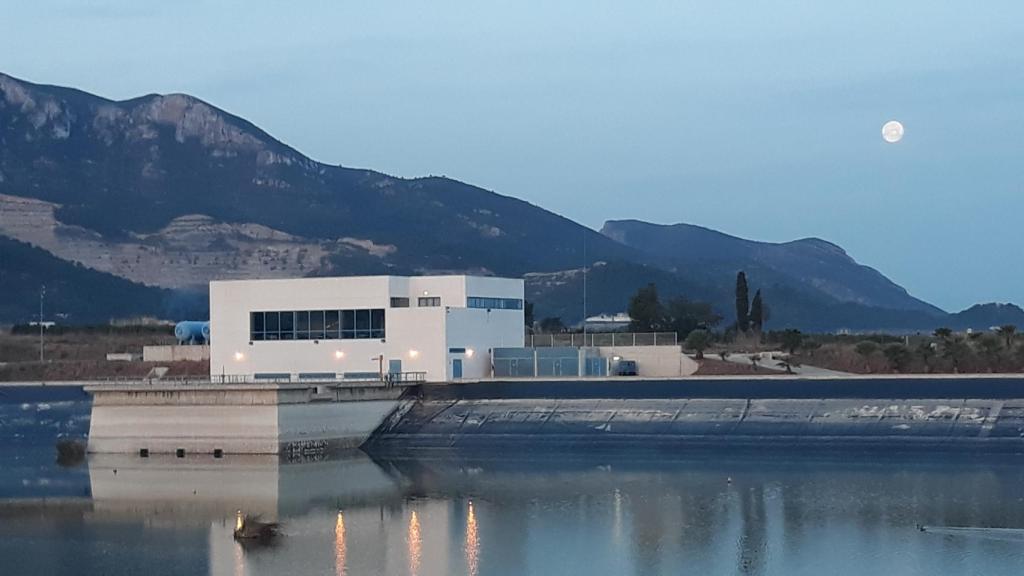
[[584, 286], [42, 292]]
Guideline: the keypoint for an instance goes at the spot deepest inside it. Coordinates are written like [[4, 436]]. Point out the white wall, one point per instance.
[[654, 361], [420, 337], [481, 330]]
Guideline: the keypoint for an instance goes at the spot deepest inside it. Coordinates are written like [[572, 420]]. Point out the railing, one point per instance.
[[602, 339], [405, 378], [390, 379]]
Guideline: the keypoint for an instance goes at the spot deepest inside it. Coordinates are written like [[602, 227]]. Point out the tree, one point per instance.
[[742, 303], [866, 349], [1008, 331], [645, 310], [552, 325], [528, 314], [898, 356], [698, 341], [683, 316], [943, 333], [991, 346], [956, 350], [791, 339], [926, 350], [757, 313]]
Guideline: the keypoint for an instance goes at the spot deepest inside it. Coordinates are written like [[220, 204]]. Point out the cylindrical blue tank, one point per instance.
[[192, 332]]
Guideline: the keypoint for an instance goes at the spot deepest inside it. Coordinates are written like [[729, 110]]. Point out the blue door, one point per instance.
[[456, 368], [395, 366]]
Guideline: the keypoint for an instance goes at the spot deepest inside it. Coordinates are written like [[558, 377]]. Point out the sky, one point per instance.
[[759, 119]]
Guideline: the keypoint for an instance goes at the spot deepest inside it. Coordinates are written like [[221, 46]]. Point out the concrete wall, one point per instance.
[[239, 419], [639, 424], [175, 353], [479, 331], [419, 337], [654, 361]]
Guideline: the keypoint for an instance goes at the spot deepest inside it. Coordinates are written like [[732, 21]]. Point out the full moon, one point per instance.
[[892, 131]]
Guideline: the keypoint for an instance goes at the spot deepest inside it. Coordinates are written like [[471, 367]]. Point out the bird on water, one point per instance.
[[249, 527]]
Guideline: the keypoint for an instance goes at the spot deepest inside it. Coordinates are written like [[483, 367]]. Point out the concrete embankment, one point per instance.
[[963, 413]]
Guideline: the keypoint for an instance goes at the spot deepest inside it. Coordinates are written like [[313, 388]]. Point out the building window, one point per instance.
[[287, 325], [332, 324], [256, 326], [301, 324], [362, 324], [494, 303], [317, 325], [428, 301], [348, 324], [377, 323], [399, 302], [272, 325]]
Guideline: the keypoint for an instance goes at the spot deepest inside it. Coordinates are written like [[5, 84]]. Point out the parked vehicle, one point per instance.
[[625, 368]]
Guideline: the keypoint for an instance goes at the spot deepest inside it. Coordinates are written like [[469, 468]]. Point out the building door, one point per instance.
[[395, 366], [456, 368]]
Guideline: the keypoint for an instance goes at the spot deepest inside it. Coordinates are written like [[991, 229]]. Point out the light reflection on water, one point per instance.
[[339, 545], [778, 515], [415, 544]]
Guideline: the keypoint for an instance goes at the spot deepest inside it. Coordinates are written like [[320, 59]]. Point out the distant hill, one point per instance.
[[985, 316], [119, 174], [610, 284], [810, 266], [170, 192], [75, 294]]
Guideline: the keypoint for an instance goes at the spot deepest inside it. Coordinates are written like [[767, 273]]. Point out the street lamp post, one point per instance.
[[42, 292]]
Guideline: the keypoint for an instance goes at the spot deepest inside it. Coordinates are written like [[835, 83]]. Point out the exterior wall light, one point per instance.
[[414, 353], [239, 356], [469, 352], [339, 354]]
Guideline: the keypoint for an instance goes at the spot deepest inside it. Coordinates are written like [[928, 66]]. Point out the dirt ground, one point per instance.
[[715, 367], [82, 356]]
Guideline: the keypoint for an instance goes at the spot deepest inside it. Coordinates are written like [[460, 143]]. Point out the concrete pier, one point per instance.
[[293, 420]]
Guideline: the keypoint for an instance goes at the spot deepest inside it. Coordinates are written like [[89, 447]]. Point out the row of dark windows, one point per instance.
[[317, 325], [494, 303], [422, 302]]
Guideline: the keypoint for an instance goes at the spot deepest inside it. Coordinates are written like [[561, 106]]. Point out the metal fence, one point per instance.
[[602, 339], [388, 379]]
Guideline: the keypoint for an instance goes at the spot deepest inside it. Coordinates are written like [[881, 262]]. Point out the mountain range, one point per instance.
[[153, 197]]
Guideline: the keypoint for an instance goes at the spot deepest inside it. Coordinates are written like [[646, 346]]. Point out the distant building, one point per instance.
[[364, 326], [46, 324], [608, 322]]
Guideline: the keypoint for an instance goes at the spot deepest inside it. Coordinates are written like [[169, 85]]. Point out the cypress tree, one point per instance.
[[742, 303], [757, 312]]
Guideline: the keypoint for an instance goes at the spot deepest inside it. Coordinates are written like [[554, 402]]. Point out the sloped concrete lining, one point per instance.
[[985, 425], [291, 420], [962, 413]]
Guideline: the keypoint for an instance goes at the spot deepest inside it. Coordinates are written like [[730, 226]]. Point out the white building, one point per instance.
[[608, 322], [443, 326]]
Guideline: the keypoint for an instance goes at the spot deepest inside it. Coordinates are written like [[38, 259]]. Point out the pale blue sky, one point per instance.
[[761, 119]]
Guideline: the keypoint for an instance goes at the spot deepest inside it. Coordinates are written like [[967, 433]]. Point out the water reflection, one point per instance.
[[339, 545], [415, 544], [438, 517], [472, 542]]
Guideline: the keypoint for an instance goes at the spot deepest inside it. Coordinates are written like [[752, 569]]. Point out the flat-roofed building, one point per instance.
[[362, 326]]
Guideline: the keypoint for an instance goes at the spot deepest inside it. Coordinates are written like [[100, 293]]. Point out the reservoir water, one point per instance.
[[781, 513]]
